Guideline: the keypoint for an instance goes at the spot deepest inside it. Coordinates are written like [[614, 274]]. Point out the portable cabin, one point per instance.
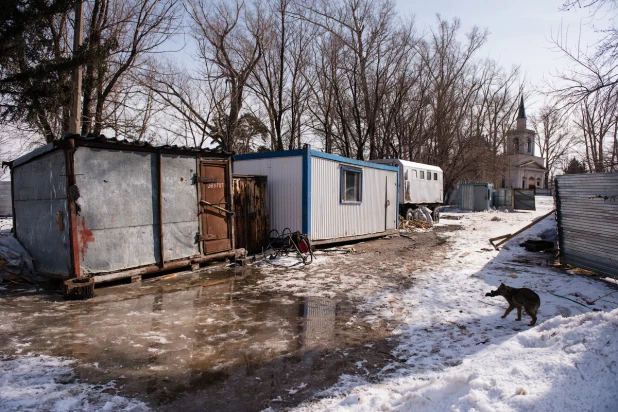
[[475, 196], [112, 209], [419, 185], [329, 198]]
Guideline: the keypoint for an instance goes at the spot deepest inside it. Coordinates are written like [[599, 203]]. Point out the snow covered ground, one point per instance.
[[455, 351], [47, 383], [452, 349]]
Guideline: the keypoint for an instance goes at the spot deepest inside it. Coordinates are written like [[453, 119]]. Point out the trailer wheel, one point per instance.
[[410, 214], [436, 214], [78, 288]]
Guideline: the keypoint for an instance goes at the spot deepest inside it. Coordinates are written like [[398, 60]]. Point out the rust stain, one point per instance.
[[85, 237]]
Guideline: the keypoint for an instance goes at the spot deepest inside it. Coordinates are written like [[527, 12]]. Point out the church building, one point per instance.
[[525, 170]]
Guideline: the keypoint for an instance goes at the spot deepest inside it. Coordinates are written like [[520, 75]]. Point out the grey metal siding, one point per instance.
[[587, 211], [284, 188], [475, 196], [331, 219], [6, 203], [466, 200], [40, 193], [180, 219], [118, 200], [503, 197]]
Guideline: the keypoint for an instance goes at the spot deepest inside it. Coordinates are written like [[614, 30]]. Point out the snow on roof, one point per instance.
[[407, 163]]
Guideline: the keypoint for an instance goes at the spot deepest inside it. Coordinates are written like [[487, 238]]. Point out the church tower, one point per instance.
[[521, 140], [525, 170]]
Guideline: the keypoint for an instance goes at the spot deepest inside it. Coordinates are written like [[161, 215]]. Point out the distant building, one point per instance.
[[525, 170]]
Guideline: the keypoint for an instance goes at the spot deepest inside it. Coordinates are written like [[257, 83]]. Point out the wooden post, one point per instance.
[[505, 238], [76, 96]]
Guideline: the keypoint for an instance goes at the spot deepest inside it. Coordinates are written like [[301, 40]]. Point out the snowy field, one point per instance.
[[452, 351], [457, 354], [47, 383]]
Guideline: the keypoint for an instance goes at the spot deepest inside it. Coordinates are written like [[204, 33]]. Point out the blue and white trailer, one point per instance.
[[329, 198]]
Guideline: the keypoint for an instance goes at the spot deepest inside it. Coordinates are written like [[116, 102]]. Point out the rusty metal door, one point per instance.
[[251, 223], [214, 208]]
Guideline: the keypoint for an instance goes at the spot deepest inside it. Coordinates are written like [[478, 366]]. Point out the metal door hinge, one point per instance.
[[202, 238]]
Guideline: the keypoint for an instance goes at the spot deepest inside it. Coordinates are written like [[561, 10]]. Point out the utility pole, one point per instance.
[[76, 97]]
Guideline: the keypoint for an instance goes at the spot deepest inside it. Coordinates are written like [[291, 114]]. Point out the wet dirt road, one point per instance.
[[215, 340]]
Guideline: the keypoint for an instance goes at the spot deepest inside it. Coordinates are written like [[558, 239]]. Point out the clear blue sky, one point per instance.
[[520, 31]]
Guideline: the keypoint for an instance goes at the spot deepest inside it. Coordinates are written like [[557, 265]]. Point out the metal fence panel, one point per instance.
[[503, 197], [523, 199], [587, 211]]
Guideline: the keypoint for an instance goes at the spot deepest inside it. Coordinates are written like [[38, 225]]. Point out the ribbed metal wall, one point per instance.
[[466, 193], [587, 208], [283, 190], [332, 219], [6, 203], [503, 197]]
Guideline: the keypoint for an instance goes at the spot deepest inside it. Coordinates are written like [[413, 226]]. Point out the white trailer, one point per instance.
[[329, 198], [419, 185]]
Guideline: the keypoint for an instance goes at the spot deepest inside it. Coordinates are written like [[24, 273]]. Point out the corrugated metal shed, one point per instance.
[[475, 196], [112, 209], [587, 212], [305, 191]]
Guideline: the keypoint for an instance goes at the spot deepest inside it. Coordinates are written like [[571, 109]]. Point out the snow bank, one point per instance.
[[49, 383], [564, 364]]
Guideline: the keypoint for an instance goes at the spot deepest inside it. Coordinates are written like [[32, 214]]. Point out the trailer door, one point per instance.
[[390, 205]]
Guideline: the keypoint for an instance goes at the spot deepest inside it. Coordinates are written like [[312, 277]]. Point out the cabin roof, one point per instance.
[[408, 163]]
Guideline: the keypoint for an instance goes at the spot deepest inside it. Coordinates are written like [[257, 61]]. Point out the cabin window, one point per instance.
[[414, 175], [351, 185], [422, 174], [435, 176], [428, 175]]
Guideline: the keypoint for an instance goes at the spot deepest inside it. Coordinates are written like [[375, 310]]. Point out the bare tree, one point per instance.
[[596, 117], [590, 71], [374, 46], [279, 81], [555, 138], [120, 34], [229, 38]]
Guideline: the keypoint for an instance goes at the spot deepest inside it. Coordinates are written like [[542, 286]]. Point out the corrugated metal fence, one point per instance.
[[587, 208], [6, 208], [503, 198]]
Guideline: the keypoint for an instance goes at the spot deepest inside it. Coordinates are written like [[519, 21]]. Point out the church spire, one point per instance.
[[521, 116], [522, 110]]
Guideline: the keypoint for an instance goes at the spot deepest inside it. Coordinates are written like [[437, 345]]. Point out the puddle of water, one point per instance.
[[197, 339]]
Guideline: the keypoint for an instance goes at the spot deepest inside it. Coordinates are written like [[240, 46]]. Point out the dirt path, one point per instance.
[[262, 337]]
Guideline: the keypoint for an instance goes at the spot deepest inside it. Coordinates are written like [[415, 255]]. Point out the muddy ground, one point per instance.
[[229, 339]]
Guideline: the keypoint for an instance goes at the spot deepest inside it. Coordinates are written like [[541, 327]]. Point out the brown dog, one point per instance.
[[518, 298]]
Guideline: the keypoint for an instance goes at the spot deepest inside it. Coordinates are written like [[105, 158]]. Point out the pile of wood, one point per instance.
[[411, 225]]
